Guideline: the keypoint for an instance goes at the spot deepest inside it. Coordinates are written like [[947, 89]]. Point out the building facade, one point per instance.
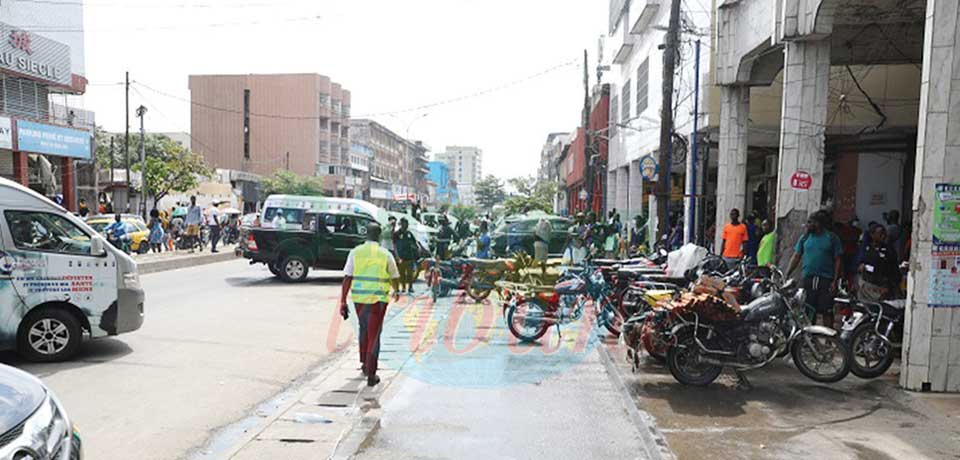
[[397, 168], [46, 140], [549, 155], [445, 192], [583, 164], [466, 167], [260, 124]]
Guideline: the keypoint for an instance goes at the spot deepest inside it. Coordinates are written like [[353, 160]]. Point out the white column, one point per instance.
[[623, 190], [732, 155], [806, 78], [931, 351], [612, 189], [636, 192]]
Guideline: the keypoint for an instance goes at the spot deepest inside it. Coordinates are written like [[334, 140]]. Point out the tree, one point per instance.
[[170, 167], [489, 192], [530, 195], [285, 182], [462, 212]]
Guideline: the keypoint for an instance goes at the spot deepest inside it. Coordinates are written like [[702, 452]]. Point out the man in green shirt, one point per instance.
[[767, 252]]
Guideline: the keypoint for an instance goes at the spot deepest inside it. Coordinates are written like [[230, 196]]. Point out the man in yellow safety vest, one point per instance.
[[369, 274]]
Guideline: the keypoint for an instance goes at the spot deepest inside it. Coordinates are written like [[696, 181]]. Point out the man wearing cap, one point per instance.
[[369, 274]]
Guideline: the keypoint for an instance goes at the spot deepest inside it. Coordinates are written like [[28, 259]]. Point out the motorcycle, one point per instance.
[[443, 276], [531, 310], [771, 326], [874, 331]]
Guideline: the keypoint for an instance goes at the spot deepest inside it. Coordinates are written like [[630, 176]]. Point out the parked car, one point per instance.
[[323, 242], [59, 279], [136, 229], [515, 233], [33, 423]]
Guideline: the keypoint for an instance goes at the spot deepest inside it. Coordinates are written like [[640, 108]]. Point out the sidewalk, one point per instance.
[[152, 263], [787, 416]]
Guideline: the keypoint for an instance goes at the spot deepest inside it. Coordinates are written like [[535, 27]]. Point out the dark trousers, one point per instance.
[[214, 236], [370, 317]]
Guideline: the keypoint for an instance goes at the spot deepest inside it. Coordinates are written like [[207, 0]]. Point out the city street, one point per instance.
[[217, 340]]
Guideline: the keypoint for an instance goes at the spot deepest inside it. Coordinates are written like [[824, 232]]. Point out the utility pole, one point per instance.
[[288, 161], [588, 168], [142, 113], [690, 207], [113, 199], [666, 121], [126, 135]]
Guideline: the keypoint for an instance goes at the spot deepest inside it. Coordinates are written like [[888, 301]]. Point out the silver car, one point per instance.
[[33, 424]]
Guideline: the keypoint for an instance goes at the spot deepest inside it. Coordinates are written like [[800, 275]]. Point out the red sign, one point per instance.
[[21, 41], [801, 180]]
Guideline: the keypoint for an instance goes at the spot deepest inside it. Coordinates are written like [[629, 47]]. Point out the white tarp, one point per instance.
[[683, 259]]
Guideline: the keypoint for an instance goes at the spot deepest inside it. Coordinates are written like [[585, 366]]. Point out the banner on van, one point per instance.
[[6, 134]]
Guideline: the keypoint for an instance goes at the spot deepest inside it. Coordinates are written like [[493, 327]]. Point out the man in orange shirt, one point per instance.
[[734, 236]]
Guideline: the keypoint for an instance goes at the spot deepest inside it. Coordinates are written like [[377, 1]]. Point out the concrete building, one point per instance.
[[549, 154], [397, 167], [583, 166], [845, 81], [466, 167], [46, 140], [259, 124]]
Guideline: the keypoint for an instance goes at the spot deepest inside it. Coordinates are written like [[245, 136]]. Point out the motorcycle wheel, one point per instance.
[[683, 359], [612, 320], [478, 294], [527, 320], [811, 352], [877, 355]]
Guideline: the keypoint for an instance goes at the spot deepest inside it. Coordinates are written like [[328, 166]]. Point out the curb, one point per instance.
[[177, 263], [653, 440]]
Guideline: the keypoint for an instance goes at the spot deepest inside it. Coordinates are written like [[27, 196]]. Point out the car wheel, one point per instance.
[[273, 269], [49, 335], [294, 269]]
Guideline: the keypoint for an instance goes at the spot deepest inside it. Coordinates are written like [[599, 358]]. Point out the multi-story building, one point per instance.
[[549, 155], [263, 123], [397, 167], [41, 140], [440, 175], [466, 167], [582, 165]]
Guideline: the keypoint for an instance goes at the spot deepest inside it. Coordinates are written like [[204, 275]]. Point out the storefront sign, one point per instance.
[[34, 56], [53, 140], [945, 251], [801, 180], [6, 134], [648, 168]]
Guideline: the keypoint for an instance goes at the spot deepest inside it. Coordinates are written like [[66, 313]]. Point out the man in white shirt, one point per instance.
[[193, 221], [213, 223]]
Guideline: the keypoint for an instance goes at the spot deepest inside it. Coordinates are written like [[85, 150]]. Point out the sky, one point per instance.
[[393, 55]]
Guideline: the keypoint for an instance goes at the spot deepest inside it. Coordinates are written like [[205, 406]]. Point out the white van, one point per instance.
[[58, 279]]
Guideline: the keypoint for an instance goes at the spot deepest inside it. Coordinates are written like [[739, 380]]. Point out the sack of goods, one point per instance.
[[717, 287], [710, 308]]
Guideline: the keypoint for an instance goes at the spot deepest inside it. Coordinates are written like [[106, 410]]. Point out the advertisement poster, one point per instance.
[[945, 252]]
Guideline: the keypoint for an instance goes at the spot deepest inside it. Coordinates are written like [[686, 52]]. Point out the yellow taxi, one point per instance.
[[136, 229]]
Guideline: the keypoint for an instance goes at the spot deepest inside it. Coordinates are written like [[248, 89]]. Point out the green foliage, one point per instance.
[[489, 192], [531, 195], [170, 167], [285, 182], [462, 212]]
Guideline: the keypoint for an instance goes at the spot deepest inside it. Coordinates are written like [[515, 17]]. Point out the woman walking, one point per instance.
[[156, 231]]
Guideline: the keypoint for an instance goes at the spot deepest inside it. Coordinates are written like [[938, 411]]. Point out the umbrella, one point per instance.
[[179, 212], [231, 211]]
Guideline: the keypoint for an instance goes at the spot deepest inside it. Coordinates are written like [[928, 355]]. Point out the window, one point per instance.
[[289, 216], [246, 124], [614, 113], [643, 84], [40, 231], [625, 116]]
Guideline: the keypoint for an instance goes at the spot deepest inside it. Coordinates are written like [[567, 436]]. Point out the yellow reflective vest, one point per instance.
[[371, 279]]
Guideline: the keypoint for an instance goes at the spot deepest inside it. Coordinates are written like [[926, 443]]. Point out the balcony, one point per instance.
[[645, 11]]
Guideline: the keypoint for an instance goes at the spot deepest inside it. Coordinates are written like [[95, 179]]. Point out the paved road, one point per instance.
[[474, 393], [217, 340]]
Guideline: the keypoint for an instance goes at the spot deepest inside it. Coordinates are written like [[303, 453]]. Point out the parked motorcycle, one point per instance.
[[443, 276], [768, 327], [874, 332]]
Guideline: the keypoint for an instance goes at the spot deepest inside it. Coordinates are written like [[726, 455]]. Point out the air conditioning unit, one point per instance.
[[771, 165]]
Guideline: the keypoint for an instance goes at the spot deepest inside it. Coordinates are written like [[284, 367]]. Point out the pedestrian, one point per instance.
[[820, 251], [541, 243], [407, 251], [638, 234], [893, 228], [611, 242], [192, 221], [734, 236], [369, 274], [156, 232], [82, 209], [444, 238], [483, 241], [575, 253], [214, 225], [878, 270], [767, 250], [175, 231], [386, 241], [752, 244], [463, 230]]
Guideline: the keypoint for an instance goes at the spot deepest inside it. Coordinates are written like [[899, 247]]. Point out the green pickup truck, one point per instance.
[[323, 242]]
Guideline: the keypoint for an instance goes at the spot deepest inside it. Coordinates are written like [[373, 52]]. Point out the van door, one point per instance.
[[323, 239], [53, 266], [11, 307]]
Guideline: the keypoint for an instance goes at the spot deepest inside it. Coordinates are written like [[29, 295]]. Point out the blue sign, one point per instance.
[[648, 168], [53, 140]]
